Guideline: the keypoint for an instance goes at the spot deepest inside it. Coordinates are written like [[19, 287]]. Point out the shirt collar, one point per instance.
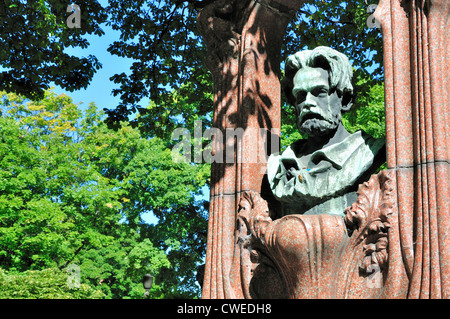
[[337, 154]]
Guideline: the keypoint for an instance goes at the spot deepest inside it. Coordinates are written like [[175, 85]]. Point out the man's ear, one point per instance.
[[347, 101]]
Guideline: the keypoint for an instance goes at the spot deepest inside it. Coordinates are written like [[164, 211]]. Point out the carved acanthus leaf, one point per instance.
[[368, 219], [221, 24], [254, 210]]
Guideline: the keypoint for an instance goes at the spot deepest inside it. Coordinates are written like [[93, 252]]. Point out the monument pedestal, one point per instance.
[[244, 41]]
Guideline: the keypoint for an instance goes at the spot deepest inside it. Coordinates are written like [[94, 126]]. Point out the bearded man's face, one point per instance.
[[318, 108]]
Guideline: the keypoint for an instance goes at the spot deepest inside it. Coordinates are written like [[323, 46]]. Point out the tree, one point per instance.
[[343, 26], [33, 40], [370, 115], [73, 192], [48, 283]]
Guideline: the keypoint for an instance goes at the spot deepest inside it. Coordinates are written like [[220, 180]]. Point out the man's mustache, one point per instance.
[[309, 115]]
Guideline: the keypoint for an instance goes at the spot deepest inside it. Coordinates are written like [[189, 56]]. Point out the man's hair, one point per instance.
[[337, 64]]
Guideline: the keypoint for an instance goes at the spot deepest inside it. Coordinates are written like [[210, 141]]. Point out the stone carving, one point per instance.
[[244, 40], [405, 245], [317, 256], [221, 31], [374, 235], [320, 174], [417, 99], [300, 251]]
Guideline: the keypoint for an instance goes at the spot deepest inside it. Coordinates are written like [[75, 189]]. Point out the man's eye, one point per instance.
[[321, 92], [301, 96]]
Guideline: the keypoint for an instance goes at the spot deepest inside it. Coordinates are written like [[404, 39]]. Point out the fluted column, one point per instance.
[[244, 40], [416, 45]]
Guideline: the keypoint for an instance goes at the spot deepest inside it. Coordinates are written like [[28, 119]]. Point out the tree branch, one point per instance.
[[200, 4], [327, 19], [74, 255]]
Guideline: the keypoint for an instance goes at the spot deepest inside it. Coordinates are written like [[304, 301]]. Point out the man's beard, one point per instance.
[[319, 126]]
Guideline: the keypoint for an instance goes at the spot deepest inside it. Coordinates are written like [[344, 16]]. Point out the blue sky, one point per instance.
[[100, 88]]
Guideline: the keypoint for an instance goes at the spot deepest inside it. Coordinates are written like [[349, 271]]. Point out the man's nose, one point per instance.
[[310, 101]]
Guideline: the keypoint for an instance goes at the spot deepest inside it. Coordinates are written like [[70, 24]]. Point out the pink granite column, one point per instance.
[[417, 76], [244, 44]]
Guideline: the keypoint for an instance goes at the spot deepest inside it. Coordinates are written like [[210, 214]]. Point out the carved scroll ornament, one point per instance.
[[359, 242]]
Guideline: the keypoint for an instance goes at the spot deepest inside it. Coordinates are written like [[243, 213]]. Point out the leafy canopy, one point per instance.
[[33, 40], [74, 191], [168, 53]]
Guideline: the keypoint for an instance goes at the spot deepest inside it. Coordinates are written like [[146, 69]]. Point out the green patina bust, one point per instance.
[[320, 174]]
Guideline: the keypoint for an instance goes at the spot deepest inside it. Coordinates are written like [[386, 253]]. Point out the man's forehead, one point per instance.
[[309, 77]]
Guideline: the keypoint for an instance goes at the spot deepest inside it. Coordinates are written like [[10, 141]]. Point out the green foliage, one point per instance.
[[74, 191], [192, 101], [289, 134], [370, 115], [162, 37], [43, 284], [33, 39], [117, 269]]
